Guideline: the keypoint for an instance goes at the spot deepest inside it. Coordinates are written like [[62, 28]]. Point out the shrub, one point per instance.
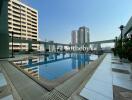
[[130, 54], [114, 51]]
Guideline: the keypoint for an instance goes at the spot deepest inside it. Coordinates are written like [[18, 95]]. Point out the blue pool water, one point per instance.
[[54, 66]]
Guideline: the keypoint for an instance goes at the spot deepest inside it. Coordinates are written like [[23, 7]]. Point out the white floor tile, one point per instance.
[[2, 80], [10, 97]]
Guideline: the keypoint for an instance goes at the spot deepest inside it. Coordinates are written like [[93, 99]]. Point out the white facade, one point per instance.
[[83, 35], [74, 37], [23, 22]]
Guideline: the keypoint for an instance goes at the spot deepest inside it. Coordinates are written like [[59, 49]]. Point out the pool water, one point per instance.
[[54, 66]]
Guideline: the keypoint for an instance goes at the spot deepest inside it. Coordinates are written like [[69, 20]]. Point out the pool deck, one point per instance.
[[26, 87], [99, 87], [7, 89], [96, 80], [33, 91], [111, 81], [122, 79]]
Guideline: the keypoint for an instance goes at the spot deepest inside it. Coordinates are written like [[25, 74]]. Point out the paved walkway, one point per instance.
[[99, 87], [122, 79], [5, 92], [122, 74], [111, 74], [26, 87]]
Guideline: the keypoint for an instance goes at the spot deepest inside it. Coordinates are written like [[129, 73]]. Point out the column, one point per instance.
[[63, 48], [55, 47], [29, 46], [44, 47], [70, 48], [4, 35]]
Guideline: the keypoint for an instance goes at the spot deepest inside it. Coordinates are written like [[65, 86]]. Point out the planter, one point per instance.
[[125, 60]]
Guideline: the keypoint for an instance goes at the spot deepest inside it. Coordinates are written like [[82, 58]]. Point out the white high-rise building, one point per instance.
[[83, 35], [23, 22], [74, 37]]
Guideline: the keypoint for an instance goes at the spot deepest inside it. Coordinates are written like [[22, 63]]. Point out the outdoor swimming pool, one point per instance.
[[54, 66]]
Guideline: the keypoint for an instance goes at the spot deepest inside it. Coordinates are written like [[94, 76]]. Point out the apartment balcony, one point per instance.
[[15, 35], [23, 24], [29, 22], [16, 7], [29, 13], [16, 48], [10, 30], [34, 14], [29, 27], [10, 21], [34, 25], [15, 4], [16, 10], [16, 18], [17, 27], [9, 7], [14, 22], [29, 18], [23, 12], [16, 15], [34, 32], [24, 36], [23, 20], [23, 8], [35, 17], [23, 29], [29, 31], [35, 38], [10, 2], [16, 31], [9, 12], [10, 16]]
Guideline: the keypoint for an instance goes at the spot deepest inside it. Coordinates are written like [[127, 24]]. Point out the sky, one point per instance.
[[57, 18]]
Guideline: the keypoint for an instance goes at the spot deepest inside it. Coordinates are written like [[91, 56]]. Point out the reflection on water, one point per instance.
[[53, 66]]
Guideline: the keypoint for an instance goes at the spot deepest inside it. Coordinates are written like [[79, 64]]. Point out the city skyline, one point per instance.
[[80, 36], [57, 19]]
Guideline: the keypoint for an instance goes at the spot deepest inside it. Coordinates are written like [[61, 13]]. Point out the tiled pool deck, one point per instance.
[[2, 80], [3, 85], [100, 86], [25, 87]]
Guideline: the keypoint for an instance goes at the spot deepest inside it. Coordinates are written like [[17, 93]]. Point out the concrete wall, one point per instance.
[[4, 36]]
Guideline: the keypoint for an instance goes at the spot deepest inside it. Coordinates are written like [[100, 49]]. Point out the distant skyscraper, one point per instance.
[[83, 35], [74, 37]]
